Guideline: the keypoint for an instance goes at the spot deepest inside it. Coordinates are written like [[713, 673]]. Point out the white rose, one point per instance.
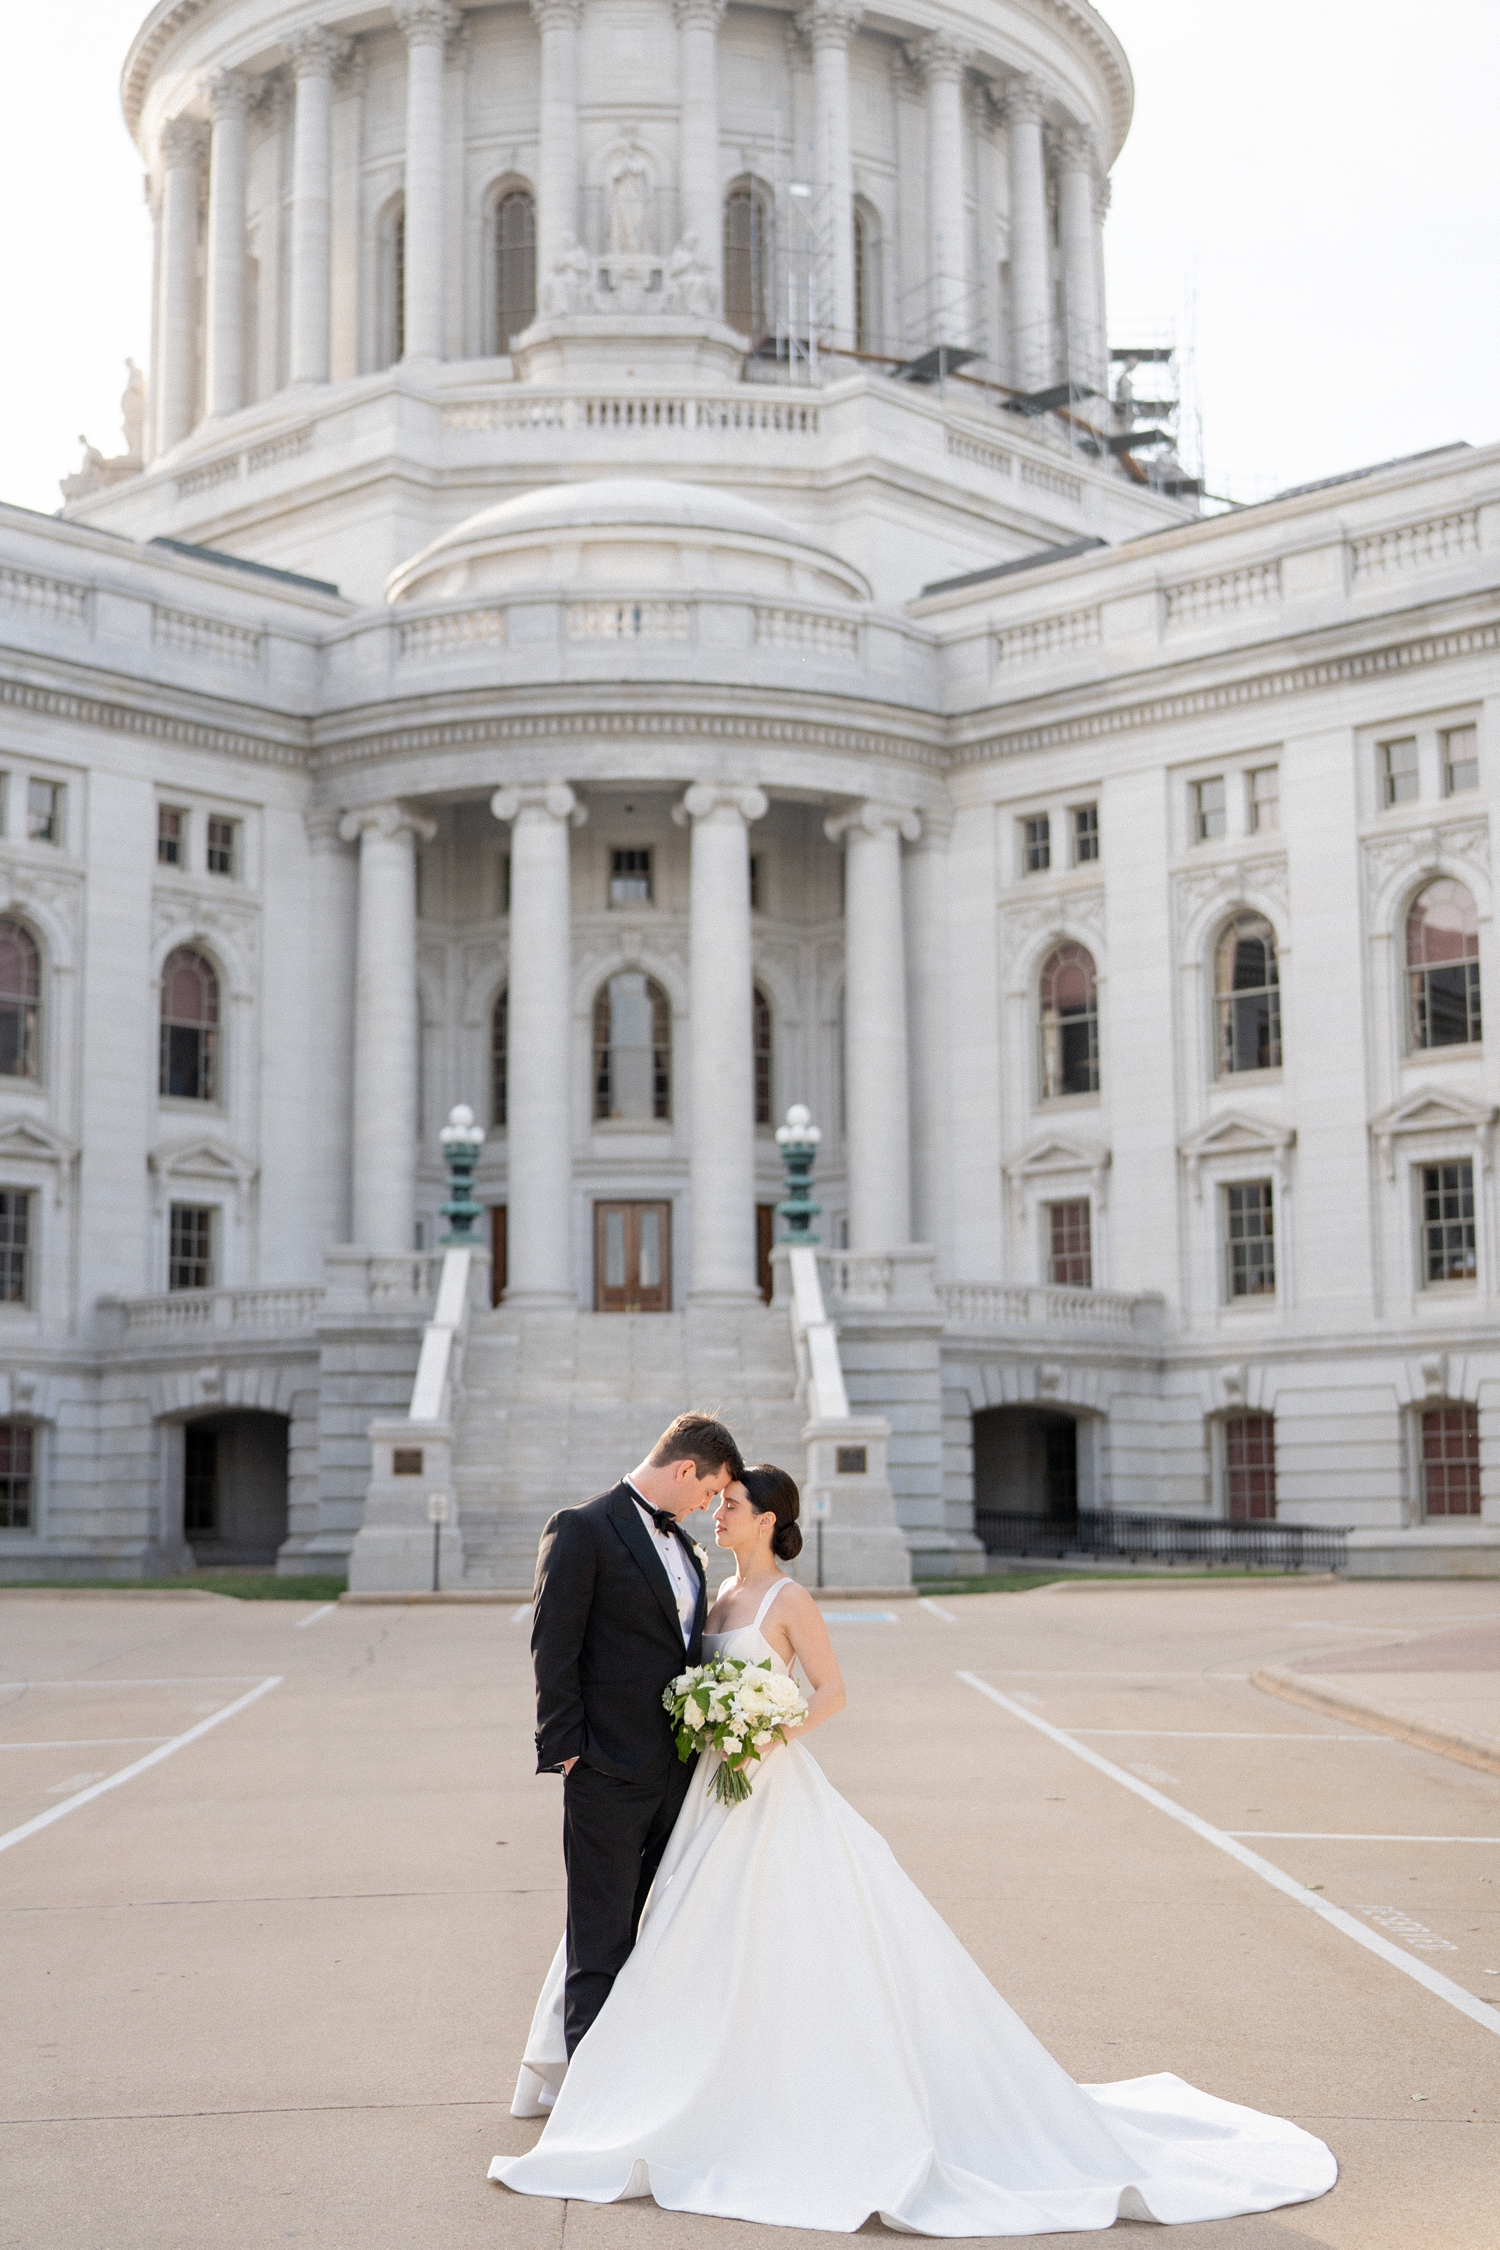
[[760, 1740], [693, 1717]]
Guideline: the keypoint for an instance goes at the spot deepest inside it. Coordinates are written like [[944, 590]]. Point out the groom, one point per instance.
[[619, 1608]]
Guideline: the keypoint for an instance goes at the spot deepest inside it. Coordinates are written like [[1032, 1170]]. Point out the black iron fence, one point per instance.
[[1115, 1534]]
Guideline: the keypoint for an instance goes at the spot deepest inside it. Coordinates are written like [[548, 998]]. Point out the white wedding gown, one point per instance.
[[799, 2038]]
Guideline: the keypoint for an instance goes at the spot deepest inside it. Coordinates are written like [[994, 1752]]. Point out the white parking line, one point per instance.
[[860, 1616], [1478, 2011], [128, 1773], [326, 1611], [91, 1742], [1397, 1624], [1322, 1836], [1203, 1734], [936, 1609], [191, 1679]]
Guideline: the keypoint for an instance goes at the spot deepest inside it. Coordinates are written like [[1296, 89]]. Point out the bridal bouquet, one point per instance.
[[736, 1709]]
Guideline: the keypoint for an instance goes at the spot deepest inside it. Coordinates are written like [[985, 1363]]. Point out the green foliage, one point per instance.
[[242, 1585]]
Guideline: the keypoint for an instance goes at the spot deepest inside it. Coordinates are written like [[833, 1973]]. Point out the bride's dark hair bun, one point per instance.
[[772, 1493]]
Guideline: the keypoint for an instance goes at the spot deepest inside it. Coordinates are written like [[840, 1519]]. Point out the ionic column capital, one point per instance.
[[705, 798], [1025, 99], [829, 23], [708, 13], [388, 820], [314, 52], [552, 797], [324, 825], [183, 142], [427, 23], [871, 818], [550, 14], [229, 93]]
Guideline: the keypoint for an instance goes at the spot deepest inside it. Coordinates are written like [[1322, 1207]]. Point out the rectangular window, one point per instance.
[[17, 1476], [755, 882], [171, 836], [1249, 1239], [15, 1246], [1448, 1238], [1250, 1467], [1450, 1461], [190, 1254], [1208, 810], [1036, 845], [502, 885], [630, 876], [44, 812], [1460, 760], [1398, 771], [223, 840], [1265, 798], [1070, 1250], [1085, 834]]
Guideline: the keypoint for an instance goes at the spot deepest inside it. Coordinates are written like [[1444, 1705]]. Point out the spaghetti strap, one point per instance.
[[760, 1614]]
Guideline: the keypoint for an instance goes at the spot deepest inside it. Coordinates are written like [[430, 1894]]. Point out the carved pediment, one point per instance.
[[1433, 1109], [28, 1140], [1056, 1156], [208, 1159], [1235, 1136]]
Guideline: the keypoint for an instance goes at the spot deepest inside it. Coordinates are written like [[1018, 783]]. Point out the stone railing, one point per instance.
[[1041, 1308], [188, 1315], [530, 410], [403, 1282], [892, 1281]]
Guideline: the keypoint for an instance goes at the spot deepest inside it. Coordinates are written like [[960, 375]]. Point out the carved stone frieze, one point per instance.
[[1228, 883]]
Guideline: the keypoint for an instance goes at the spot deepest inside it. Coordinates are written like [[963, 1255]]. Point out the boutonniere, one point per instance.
[[702, 1555]]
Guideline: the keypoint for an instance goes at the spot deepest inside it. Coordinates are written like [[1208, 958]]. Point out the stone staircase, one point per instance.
[[556, 1406]]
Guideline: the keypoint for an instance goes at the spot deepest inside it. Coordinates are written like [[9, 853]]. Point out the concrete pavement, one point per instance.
[[273, 1987]]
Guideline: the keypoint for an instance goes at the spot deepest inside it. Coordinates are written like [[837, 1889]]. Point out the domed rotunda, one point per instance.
[[642, 593]]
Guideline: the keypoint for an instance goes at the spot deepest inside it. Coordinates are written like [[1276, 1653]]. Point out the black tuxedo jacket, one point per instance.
[[606, 1640]]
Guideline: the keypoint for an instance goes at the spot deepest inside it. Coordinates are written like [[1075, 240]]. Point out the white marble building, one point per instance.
[[582, 629]]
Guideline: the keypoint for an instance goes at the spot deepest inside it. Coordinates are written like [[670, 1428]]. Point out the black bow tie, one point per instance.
[[664, 1520]]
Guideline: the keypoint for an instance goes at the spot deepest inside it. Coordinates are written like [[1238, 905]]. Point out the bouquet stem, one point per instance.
[[731, 1787]]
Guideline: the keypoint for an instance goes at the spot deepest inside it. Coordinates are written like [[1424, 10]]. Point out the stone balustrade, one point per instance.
[[187, 1315], [1037, 1306]]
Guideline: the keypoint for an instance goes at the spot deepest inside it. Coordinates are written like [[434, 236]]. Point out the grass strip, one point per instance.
[[242, 1585]]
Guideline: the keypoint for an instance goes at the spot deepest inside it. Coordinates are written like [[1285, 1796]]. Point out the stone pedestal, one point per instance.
[[392, 1551], [863, 1544], [587, 348], [1462, 1549]]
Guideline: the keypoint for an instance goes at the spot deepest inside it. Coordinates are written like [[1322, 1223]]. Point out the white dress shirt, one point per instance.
[[677, 1567]]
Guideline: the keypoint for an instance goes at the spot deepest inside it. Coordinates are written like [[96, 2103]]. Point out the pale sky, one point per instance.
[[1308, 195]]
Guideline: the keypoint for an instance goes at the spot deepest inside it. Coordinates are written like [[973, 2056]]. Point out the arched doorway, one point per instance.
[[234, 1487], [1026, 1479]]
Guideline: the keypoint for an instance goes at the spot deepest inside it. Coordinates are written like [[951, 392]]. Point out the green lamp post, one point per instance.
[[462, 1140], [798, 1141]]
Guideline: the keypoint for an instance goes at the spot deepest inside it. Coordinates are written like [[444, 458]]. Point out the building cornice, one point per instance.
[[113, 715]]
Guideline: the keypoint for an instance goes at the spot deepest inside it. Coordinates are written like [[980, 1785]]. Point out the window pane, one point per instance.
[[1448, 1234], [221, 843], [1398, 771], [1250, 1467], [632, 1049], [1450, 1461], [170, 836], [17, 1471], [190, 1259], [1248, 996], [630, 878], [1249, 1220], [650, 1258], [1460, 760], [1265, 798], [1442, 954], [1070, 1259], [499, 1031], [515, 267], [1208, 809], [762, 1035], [747, 246], [20, 990], [15, 1246], [44, 800], [614, 1249], [1068, 1023], [189, 1020], [1085, 833], [1036, 845]]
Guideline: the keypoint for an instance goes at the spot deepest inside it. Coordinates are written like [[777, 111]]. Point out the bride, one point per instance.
[[798, 2037]]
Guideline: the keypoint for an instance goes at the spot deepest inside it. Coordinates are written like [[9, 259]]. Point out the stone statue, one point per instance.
[[691, 288], [629, 206], [133, 412], [568, 287]]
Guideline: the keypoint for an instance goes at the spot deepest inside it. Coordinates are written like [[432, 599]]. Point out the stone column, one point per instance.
[[182, 156], [829, 25], [926, 882], [386, 1026], [151, 190], [700, 197], [539, 1134], [426, 24], [1102, 194], [557, 152], [944, 63], [722, 1094], [314, 55], [229, 97], [876, 1096], [1031, 316], [1075, 212], [334, 914]]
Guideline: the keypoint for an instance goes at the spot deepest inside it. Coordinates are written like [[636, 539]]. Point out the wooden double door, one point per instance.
[[632, 1257]]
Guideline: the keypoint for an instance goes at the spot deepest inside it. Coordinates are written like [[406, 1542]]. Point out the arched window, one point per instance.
[[391, 292], [499, 1032], [1442, 961], [1069, 1023], [632, 1049], [189, 1027], [515, 266], [1247, 994], [867, 321], [748, 281], [762, 1044], [20, 1001]]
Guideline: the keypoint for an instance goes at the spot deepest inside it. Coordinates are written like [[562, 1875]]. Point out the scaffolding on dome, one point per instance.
[[789, 260]]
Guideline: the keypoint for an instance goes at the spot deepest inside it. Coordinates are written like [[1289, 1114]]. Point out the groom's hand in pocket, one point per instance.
[[568, 1765]]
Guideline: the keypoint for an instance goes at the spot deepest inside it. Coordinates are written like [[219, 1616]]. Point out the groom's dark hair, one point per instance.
[[700, 1439]]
